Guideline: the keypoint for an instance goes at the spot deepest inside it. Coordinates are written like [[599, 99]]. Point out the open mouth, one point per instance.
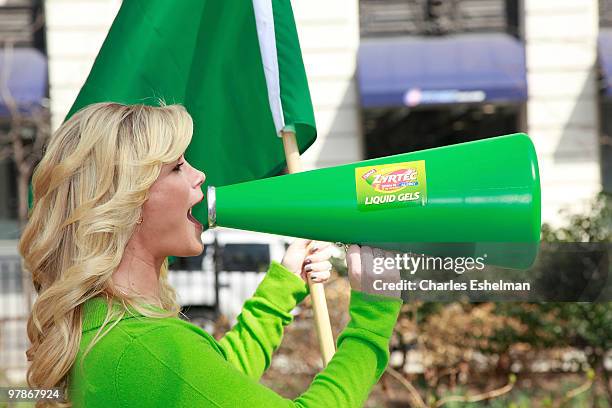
[[191, 218]]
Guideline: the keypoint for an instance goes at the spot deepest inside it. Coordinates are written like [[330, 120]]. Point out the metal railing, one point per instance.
[[205, 294], [14, 309]]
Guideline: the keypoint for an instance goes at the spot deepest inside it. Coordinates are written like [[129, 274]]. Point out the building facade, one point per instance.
[[562, 104], [553, 80], [562, 109]]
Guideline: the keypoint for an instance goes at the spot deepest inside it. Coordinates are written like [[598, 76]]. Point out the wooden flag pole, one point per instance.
[[317, 290]]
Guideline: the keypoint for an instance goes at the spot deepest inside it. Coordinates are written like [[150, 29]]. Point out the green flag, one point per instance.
[[235, 65]]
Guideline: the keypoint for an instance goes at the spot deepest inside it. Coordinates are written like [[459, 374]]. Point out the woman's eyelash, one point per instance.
[[178, 167]]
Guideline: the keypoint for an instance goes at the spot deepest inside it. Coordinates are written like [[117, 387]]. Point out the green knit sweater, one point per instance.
[[147, 362]]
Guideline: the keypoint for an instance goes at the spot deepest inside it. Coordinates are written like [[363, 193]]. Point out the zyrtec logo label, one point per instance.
[[390, 185], [396, 180]]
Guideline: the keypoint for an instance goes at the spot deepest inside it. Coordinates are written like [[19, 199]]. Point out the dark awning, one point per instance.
[[460, 68], [25, 70], [605, 58]]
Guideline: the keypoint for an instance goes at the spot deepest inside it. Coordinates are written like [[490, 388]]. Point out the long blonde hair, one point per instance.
[[88, 190]]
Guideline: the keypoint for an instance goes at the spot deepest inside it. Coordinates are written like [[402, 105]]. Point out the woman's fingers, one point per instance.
[[320, 255], [353, 259], [353, 262], [318, 271], [322, 276], [318, 266], [315, 246]]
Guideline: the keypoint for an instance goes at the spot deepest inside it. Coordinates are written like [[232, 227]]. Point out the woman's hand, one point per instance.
[[353, 263], [309, 259], [362, 273]]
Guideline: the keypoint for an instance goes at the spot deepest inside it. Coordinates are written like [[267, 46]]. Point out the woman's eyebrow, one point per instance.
[[173, 164]]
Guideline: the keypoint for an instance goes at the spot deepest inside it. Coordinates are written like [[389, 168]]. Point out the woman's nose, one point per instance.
[[200, 179]]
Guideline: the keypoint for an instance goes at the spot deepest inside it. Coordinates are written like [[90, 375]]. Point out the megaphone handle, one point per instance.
[[317, 290]]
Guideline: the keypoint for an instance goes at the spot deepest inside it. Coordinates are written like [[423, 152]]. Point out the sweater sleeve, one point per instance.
[[249, 345], [361, 357], [169, 367]]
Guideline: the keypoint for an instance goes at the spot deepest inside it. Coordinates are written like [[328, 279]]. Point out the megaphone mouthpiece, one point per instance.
[[211, 199]]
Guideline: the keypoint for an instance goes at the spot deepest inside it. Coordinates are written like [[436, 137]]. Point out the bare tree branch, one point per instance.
[[5, 153], [478, 397], [415, 397], [5, 74], [25, 150]]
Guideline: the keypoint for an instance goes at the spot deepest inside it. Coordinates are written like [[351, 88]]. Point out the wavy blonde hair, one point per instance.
[[88, 190]]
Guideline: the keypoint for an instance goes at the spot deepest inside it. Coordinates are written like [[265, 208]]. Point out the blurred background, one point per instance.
[[386, 77]]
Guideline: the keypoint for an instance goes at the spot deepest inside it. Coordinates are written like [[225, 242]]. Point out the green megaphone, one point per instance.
[[475, 198]]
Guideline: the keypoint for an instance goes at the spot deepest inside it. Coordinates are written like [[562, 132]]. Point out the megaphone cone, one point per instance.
[[480, 197]]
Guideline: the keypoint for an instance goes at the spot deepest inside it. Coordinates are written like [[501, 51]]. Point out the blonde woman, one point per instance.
[[112, 199]]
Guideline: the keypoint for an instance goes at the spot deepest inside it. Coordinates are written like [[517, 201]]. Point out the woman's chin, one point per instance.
[[198, 246], [192, 250], [191, 244]]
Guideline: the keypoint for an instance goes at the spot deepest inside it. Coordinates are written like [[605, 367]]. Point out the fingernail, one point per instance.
[[308, 268], [307, 261]]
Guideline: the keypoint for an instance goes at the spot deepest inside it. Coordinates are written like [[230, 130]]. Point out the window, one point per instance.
[[410, 26], [605, 13], [437, 17], [21, 22], [394, 131], [9, 225], [245, 257]]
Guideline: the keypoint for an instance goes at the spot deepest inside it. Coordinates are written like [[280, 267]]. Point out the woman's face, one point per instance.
[[166, 227]]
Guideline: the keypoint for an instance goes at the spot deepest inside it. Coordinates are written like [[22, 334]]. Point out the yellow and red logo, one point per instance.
[[395, 180]]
